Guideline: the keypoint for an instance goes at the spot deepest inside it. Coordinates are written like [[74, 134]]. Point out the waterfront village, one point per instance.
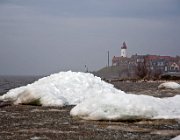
[[141, 66]]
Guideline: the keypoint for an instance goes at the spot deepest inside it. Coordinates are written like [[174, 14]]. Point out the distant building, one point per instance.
[[152, 63], [116, 61], [161, 63]]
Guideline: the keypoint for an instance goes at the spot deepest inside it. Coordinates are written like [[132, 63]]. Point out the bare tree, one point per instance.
[[157, 74], [141, 70]]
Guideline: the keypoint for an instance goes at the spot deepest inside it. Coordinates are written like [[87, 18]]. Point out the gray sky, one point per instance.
[[47, 36]]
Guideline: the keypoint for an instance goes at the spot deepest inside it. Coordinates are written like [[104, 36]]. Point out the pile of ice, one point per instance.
[[169, 85], [95, 99], [64, 88], [126, 107]]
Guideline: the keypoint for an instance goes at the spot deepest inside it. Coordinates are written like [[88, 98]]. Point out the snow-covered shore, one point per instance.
[[95, 99]]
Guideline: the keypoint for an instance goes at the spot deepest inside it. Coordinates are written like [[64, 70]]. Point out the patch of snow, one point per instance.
[[169, 85], [176, 138], [36, 138]]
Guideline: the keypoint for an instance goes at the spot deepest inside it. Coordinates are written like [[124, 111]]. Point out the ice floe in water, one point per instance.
[[95, 99], [169, 85]]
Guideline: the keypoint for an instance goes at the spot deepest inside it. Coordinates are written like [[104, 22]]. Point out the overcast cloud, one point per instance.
[[47, 36]]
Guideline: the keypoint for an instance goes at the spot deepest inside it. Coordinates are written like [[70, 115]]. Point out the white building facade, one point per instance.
[[124, 50]]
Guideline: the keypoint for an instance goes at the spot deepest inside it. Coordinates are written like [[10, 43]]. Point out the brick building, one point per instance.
[[152, 63]]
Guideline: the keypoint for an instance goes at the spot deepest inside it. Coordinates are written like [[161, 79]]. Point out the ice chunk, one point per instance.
[[116, 107], [169, 85], [176, 138], [127, 107]]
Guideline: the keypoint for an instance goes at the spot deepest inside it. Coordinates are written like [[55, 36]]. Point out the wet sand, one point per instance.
[[46, 123]]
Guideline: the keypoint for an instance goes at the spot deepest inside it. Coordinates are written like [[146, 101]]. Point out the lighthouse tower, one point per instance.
[[124, 50]]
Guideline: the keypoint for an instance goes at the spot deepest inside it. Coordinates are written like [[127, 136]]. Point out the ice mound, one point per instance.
[[169, 85], [116, 107], [95, 99], [127, 107], [64, 88]]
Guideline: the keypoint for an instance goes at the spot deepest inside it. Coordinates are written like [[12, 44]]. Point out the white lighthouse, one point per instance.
[[124, 50]]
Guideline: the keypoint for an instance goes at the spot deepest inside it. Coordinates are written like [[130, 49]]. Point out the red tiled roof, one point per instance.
[[155, 57]]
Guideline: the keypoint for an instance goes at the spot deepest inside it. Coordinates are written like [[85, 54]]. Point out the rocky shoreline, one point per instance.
[[35, 122]]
